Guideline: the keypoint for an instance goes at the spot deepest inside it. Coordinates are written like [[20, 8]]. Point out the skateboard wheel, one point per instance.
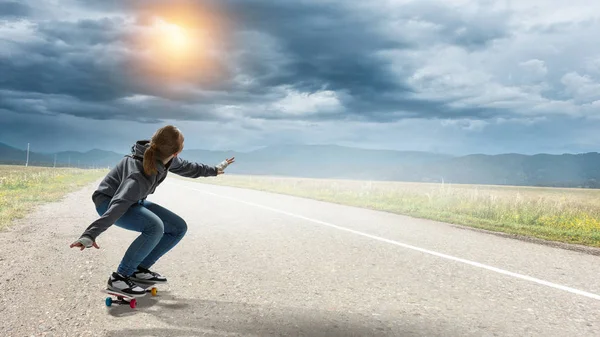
[[132, 303], [108, 301], [153, 291]]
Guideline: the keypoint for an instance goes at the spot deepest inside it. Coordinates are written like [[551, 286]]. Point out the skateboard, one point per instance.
[[126, 299]]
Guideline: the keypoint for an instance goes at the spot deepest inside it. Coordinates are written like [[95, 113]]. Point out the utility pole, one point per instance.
[[27, 162]]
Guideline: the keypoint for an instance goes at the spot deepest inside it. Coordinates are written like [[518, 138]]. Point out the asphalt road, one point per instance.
[[260, 264]]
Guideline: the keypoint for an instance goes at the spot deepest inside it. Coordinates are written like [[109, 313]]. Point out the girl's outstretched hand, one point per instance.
[[83, 243], [221, 167]]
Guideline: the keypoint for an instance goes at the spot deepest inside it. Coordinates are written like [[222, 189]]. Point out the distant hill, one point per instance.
[[94, 158], [316, 161], [566, 170], [330, 161]]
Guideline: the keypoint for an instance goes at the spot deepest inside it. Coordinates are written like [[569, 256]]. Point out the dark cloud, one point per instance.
[[326, 45], [69, 59], [145, 110], [83, 33], [13, 9], [89, 67], [323, 46]]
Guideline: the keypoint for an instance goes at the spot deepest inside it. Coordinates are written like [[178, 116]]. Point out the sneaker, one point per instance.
[[124, 285], [142, 275]]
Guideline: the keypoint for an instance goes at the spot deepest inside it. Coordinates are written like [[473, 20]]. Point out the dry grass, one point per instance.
[[565, 215], [22, 188]]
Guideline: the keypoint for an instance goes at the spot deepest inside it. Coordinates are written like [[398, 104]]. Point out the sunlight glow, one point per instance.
[[173, 38], [177, 45], [171, 48]]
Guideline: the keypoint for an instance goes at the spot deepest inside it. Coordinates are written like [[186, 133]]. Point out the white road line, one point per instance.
[[426, 251]]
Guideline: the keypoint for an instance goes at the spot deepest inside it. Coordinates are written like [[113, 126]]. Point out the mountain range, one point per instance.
[[338, 162]]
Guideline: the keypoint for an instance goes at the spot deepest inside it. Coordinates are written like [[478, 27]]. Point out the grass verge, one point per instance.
[[22, 188], [555, 214]]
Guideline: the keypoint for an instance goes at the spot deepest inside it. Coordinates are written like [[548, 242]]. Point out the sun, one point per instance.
[[171, 47], [173, 39], [178, 44]]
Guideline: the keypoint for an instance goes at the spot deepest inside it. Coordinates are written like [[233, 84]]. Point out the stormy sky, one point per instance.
[[454, 76]]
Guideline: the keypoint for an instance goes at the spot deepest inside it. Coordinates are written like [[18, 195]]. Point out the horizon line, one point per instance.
[[32, 150]]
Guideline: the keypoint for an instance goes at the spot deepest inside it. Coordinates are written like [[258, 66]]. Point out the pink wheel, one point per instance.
[[133, 303]]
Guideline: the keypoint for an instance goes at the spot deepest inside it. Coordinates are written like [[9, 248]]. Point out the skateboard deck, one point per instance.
[[128, 299]]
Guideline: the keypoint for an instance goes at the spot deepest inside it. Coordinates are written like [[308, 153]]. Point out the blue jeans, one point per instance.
[[160, 231]]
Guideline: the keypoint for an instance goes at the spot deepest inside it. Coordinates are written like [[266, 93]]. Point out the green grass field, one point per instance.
[[22, 188], [563, 215]]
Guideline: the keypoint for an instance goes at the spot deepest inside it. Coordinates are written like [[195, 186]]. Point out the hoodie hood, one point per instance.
[[139, 148]]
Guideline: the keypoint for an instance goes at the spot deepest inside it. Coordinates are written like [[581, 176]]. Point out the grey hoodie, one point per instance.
[[126, 184]]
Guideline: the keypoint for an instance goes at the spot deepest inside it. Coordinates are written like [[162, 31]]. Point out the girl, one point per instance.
[[121, 200]]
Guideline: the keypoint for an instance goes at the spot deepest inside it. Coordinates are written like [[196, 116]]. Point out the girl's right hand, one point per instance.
[[84, 242]]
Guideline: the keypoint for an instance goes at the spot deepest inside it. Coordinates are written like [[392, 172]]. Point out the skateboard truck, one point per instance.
[[131, 300], [121, 300]]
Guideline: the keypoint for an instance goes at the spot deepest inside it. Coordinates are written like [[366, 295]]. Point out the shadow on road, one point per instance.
[[193, 317]]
